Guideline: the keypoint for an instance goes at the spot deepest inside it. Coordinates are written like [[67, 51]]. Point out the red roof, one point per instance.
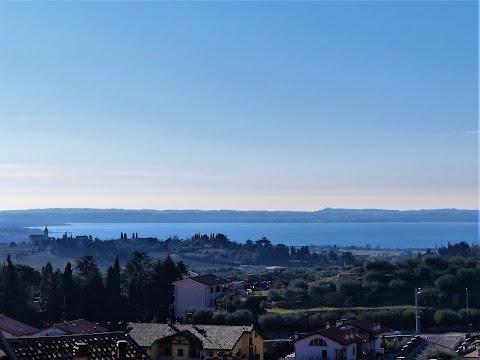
[[368, 326], [356, 331], [14, 327], [78, 327], [344, 336]]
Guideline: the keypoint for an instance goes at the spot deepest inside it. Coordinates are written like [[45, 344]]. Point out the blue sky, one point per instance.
[[239, 105]]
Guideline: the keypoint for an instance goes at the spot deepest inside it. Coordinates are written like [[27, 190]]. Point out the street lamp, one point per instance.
[[417, 317]]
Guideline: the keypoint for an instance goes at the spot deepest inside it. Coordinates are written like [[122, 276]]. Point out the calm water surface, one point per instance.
[[383, 235]]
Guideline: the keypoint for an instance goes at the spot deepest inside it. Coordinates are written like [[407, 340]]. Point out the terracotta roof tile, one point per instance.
[[356, 331], [368, 326], [15, 327], [100, 347], [341, 336], [80, 326]]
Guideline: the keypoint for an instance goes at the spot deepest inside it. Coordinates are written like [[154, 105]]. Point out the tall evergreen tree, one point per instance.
[[67, 286], [113, 293], [92, 290]]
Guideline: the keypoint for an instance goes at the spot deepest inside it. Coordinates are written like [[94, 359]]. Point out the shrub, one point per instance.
[[271, 322], [446, 317], [239, 317]]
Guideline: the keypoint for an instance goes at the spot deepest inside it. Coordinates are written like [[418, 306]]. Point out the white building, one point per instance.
[[201, 292], [359, 339]]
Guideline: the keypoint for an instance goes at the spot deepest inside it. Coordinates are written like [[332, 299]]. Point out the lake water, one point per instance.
[[376, 235]]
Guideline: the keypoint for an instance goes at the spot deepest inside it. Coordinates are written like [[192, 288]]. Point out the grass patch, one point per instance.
[[261, 293], [325, 309]]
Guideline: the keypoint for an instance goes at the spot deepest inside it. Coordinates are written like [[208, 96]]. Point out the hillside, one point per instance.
[[62, 216]]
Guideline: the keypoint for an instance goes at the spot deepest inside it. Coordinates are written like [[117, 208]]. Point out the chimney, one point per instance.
[[80, 351], [169, 321], [121, 349], [327, 325]]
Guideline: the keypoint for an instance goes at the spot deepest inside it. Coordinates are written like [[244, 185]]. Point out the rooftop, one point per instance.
[[80, 326], [14, 327], [214, 337], [100, 347], [351, 332], [368, 326], [210, 280]]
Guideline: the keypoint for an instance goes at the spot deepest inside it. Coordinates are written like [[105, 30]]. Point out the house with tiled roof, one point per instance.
[[374, 330], [359, 339], [80, 326], [197, 342], [12, 328], [201, 292], [105, 346]]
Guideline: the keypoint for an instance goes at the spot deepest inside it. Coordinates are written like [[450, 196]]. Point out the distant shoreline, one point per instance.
[[379, 235], [42, 217]]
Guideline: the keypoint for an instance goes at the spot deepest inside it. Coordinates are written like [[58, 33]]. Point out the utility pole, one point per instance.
[[417, 317], [468, 326]]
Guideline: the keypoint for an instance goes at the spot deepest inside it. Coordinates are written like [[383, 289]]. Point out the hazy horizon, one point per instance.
[[253, 210], [239, 105]]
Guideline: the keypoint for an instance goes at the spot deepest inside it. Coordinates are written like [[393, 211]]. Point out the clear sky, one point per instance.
[[239, 105]]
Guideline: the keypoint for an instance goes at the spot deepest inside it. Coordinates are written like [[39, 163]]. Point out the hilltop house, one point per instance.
[[197, 342], [359, 339], [202, 292], [39, 239]]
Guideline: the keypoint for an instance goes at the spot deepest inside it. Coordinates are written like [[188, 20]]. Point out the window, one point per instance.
[[211, 290], [180, 352], [338, 354], [317, 342], [218, 288], [324, 354], [210, 353], [211, 302], [353, 350]]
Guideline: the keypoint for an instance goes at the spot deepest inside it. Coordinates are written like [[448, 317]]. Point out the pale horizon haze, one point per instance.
[[239, 105]]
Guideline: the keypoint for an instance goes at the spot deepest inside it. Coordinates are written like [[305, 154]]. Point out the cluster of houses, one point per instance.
[[82, 340]]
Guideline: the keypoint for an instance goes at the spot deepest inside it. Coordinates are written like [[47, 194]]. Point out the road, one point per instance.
[[448, 340]]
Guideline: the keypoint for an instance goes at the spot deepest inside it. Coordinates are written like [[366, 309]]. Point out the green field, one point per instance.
[[357, 308]]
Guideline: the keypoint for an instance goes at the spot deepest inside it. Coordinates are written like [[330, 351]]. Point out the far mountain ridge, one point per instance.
[[35, 217]]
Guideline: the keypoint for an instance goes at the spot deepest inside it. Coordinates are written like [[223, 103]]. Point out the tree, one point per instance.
[[113, 292], [165, 273], [92, 291], [67, 285], [138, 274], [239, 317], [46, 290]]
